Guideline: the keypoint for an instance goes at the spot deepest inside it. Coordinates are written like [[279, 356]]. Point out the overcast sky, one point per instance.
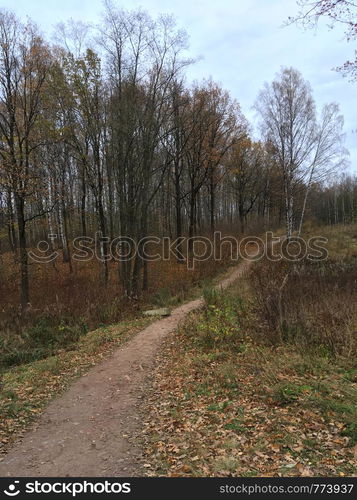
[[242, 44]]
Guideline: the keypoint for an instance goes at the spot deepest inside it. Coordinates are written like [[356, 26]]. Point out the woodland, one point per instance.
[[104, 138]]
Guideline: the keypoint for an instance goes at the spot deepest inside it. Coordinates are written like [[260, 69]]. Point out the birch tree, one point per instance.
[[288, 117], [304, 147]]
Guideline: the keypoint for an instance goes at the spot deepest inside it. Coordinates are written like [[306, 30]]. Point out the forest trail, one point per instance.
[[90, 430]]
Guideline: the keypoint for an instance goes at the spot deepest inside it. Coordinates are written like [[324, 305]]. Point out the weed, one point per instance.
[[287, 393]]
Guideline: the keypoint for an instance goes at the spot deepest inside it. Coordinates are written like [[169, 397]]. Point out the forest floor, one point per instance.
[[246, 381], [92, 429], [262, 381]]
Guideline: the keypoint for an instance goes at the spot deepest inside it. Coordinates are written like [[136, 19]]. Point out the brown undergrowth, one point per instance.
[[262, 382]]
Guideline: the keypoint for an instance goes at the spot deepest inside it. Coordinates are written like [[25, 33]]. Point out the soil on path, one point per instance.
[[90, 430]]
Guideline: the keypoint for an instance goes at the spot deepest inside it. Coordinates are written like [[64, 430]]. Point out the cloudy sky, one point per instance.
[[242, 44]]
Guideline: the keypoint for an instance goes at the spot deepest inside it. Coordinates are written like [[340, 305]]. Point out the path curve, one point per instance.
[[88, 431]]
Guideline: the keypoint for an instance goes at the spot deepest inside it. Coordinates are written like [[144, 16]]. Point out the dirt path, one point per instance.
[[90, 430]]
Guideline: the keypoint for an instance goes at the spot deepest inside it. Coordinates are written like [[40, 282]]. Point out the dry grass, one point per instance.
[[262, 382], [310, 305], [65, 306], [224, 404]]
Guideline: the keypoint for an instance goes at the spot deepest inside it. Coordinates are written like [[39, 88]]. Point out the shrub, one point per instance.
[[46, 336], [220, 322], [312, 305]]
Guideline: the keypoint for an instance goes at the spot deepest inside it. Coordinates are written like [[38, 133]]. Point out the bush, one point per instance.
[[312, 305], [43, 339], [220, 323]]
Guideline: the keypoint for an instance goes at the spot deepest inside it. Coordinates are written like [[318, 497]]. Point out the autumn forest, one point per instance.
[[105, 141]]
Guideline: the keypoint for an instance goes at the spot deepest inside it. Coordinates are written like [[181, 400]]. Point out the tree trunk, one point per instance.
[[20, 212], [145, 276], [11, 226], [212, 201], [180, 257], [83, 200], [103, 246], [289, 216], [191, 226], [66, 249]]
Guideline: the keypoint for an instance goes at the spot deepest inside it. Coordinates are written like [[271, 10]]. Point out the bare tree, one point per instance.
[[24, 64], [329, 154], [247, 172], [336, 12], [143, 59], [304, 148], [289, 124]]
